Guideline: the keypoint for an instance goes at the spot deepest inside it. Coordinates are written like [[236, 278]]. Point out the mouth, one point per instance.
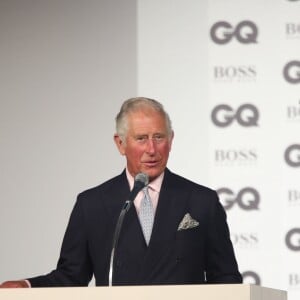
[[151, 164]]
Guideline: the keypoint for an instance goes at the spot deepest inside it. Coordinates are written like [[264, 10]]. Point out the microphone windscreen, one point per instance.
[[143, 178]]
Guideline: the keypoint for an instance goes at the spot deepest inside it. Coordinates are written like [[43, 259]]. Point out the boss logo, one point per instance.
[[245, 32], [294, 280], [247, 198], [244, 240], [294, 197], [292, 155], [235, 156], [292, 30], [251, 277], [293, 113], [234, 72], [246, 115], [292, 239], [291, 71]]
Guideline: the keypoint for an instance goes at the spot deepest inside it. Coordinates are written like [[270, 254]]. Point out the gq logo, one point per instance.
[[251, 278], [292, 155], [245, 32], [291, 71], [247, 198], [292, 239], [246, 115]]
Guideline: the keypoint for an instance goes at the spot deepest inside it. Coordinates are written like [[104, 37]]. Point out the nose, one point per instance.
[[151, 146]]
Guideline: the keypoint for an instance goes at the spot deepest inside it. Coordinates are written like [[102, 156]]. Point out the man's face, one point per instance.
[[147, 144]]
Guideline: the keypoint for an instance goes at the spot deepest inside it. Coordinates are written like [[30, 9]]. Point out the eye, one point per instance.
[[141, 138], [159, 137]]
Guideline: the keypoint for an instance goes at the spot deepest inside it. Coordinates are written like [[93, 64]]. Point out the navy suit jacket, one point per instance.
[[203, 254]]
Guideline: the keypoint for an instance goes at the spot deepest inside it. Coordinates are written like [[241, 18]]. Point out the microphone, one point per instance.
[[140, 181]]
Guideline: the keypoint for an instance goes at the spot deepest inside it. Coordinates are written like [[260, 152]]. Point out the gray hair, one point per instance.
[[139, 104]]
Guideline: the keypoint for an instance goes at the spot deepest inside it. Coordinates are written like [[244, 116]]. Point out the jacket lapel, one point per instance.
[[118, 194], [131, 246]]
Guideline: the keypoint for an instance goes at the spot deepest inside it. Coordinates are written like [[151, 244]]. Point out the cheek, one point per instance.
[[134, 154], [165, 150]]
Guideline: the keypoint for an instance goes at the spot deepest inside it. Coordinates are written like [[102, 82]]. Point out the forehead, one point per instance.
[[146, 120]]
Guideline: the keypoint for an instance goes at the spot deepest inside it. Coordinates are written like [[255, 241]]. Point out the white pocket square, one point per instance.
[[187, 223]]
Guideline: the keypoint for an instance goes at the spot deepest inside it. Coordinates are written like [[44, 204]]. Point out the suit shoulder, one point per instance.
[[197, 195], [102, 188], [183, 182]]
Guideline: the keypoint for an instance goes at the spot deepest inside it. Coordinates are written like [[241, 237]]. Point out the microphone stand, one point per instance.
[[124, 210]]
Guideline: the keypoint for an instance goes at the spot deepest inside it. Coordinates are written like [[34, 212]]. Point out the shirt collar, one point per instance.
[[154, 184]]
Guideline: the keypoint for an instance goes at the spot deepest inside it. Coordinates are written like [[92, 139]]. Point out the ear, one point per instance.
[[120, 144], [171, 140]]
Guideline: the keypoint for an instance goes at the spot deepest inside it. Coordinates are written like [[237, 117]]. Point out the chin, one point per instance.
[[152, 174]]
